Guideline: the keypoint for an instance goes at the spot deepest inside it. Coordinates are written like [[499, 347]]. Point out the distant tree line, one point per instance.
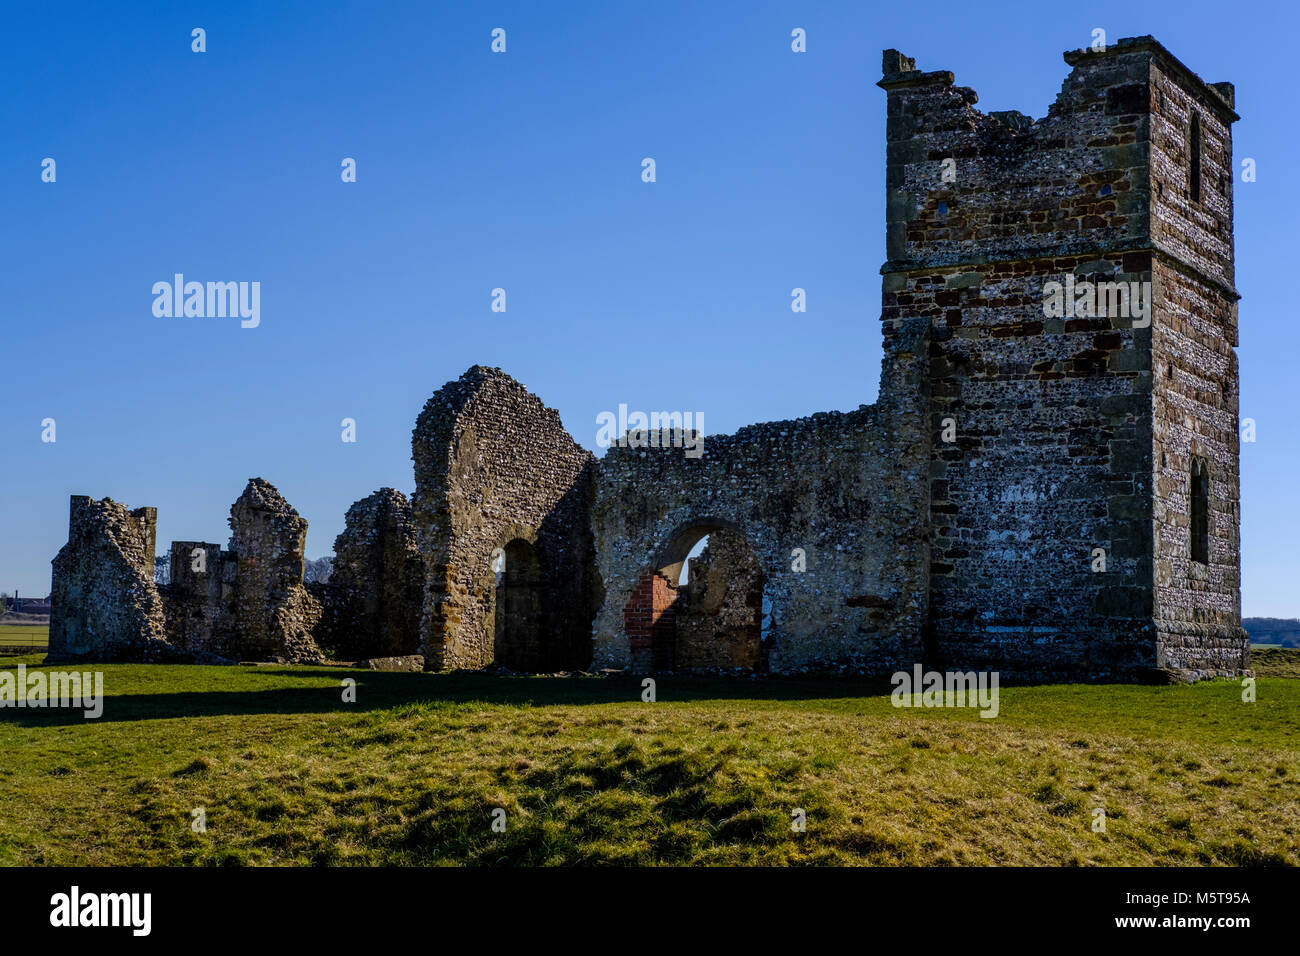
[[1272, 630]]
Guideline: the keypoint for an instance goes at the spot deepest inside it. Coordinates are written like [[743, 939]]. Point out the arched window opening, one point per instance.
[[702, 608], [1194, 159], [1200, 511]]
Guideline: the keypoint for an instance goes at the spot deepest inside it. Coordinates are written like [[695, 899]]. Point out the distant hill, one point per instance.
[[1273, 630]]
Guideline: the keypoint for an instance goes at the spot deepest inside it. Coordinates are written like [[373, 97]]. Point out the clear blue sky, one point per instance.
[[519, 171]]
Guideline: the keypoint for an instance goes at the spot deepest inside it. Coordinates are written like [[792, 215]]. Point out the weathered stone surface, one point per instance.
[[1074, 433], [375, 590], [832, 507], [718, 621], [104, 604], [199, 599], [274, 613], [1051, 493], [497, 475]]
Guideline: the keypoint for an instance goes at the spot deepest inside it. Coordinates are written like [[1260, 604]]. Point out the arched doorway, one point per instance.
[[700, 607], [518, 618]]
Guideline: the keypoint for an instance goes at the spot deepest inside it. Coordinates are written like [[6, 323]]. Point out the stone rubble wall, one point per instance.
[[199, 600], [375, 590], [494, 465], [847, 489], [274, 613], [1064, 437], [719, 618], [104, 605]]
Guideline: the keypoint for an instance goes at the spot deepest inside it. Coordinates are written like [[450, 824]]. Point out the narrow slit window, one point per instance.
[[1194, 161], [1200, 517]]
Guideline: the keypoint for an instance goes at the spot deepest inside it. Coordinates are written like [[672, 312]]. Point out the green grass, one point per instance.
[[24, 635], [1276, 661], [588, 774]]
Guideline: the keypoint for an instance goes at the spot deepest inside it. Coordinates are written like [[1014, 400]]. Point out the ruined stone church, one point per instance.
[[1047, 484]]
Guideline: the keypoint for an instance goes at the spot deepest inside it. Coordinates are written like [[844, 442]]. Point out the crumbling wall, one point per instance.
[[274, 613], [198, 602], [377, 583], [833, 507], [1020, 497], [493, 465], [104, 605], [650, 622]]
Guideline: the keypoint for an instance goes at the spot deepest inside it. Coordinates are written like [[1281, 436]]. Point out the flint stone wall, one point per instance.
[[375, 590], [274, 613], [199, 601], [493, 465], [848, 489], [718, 621], [1072, 433], [958, 521], [104, 605]]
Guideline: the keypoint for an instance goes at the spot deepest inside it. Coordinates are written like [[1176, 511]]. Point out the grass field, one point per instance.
[[24, 635], [587, 773]]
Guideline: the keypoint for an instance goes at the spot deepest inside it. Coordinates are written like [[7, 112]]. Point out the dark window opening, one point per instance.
[[1200, 507], [1194, 163], [518, 613]]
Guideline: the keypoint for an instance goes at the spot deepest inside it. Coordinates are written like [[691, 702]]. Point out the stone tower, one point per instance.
[[1077, 272]]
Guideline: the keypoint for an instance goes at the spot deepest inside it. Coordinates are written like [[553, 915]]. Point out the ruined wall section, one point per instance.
[[1054, 414], [495, 465], [1197, 605], [961, 184], [104, 605], [199, 603], [848, 489], [1050, 460], [274, 613], [377, 581]]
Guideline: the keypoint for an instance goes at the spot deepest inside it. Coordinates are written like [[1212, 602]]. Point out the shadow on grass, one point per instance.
[[377, 690]]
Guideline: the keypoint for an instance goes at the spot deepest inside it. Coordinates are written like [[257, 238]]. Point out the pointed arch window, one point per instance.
[[1200, 511], [1194, 159]]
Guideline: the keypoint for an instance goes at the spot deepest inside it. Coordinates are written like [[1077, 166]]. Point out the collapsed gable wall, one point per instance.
[[494, 465]]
